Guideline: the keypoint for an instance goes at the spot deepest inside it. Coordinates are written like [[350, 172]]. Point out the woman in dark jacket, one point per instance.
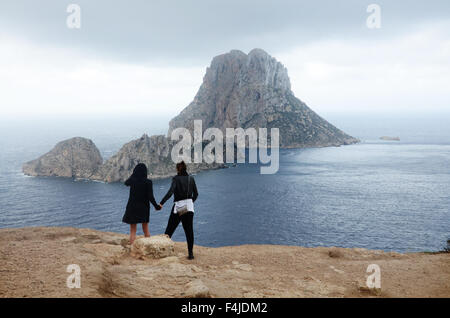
[[138, 207], [185, 193]]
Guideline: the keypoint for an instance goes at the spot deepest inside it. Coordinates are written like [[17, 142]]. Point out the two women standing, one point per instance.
[[185, 193]]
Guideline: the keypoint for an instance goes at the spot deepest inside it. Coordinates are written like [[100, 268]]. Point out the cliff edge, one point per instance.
[[34, 261]]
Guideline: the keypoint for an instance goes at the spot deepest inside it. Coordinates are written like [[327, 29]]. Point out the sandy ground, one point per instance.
[[33, 263]]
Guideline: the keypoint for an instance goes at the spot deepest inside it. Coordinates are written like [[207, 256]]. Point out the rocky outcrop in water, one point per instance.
[[254, 90], [389, 138], [154, 151], [80, 158], [76, 157]]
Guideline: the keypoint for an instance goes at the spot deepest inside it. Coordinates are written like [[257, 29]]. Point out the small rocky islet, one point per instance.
[[390, 138]]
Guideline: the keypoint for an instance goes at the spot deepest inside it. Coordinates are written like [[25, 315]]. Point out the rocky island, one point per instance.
[[238, 90], [389, 138], [254, 90], [75, 158], [34, 263], [154, 151]]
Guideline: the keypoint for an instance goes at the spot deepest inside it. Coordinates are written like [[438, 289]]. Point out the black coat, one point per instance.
[[138, 206], [179, 189]]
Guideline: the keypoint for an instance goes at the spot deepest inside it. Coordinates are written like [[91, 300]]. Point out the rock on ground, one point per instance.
[[158, 246], [196, 289]]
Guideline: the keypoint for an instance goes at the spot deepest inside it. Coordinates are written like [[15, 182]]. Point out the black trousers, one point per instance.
[[187, 221]]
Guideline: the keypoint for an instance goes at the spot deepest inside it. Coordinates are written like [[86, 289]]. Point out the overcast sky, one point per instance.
[[149, 57]]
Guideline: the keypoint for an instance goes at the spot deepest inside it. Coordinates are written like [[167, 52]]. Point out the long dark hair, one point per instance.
[[181, 168], [140, 171]]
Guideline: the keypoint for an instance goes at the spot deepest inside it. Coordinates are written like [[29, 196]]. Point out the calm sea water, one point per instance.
[[378, 195]]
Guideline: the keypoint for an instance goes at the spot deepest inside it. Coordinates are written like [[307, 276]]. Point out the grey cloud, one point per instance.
[[192, 31]]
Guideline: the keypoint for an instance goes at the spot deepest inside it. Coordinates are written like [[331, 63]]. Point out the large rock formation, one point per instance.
[[254, 90], [76, 157]]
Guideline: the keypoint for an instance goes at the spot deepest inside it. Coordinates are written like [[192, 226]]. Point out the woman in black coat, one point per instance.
[[184, 190], [138, 207]]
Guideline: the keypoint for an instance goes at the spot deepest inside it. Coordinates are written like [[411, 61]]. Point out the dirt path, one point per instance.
[[33, 263]]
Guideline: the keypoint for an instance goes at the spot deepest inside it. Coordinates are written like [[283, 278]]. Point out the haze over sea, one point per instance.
[[377, 194]]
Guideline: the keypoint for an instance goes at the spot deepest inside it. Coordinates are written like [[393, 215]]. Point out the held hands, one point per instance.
[[159, 207]]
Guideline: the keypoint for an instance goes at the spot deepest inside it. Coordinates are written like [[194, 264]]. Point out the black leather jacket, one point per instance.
[[179, 188]]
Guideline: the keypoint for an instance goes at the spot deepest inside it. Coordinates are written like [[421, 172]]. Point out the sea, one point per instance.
[[387, 195]]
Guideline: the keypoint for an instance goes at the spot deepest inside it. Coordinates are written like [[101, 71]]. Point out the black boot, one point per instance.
[[191, 255]]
